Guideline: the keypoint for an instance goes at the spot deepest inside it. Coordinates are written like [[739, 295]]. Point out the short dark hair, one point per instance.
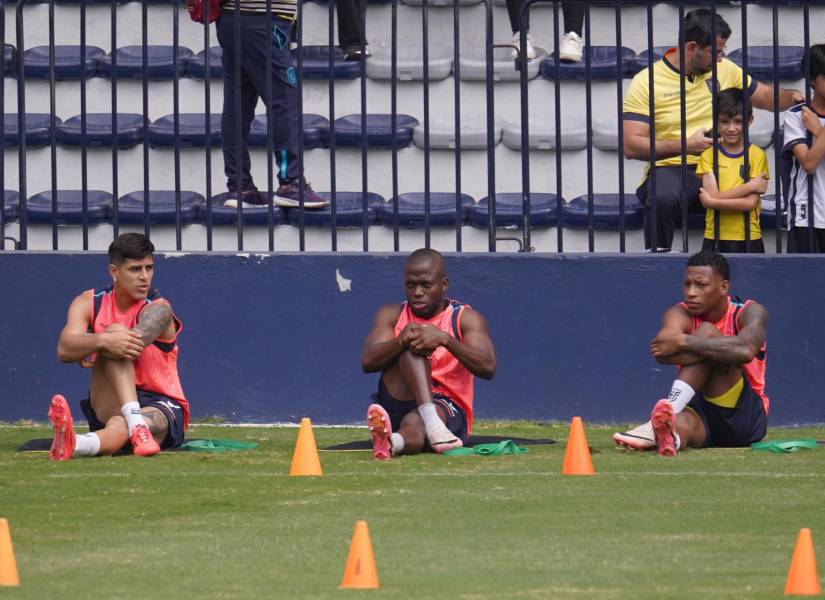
[[731, 103], [816, 61], [697, 27], [423, 255], [130, 246], [714, 260]]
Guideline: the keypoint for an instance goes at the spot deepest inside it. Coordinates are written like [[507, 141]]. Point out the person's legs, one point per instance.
[[799, 241], [670, 193], [350, 35], [573, 17], [734, 246]]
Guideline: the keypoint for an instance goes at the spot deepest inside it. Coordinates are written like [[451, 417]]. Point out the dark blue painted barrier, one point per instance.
[[272, 337]]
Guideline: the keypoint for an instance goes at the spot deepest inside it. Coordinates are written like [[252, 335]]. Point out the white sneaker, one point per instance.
[[531, 49], [638, 438], [442, 439], [571, 48]]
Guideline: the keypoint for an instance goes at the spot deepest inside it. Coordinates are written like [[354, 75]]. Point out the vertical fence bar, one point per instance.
[[394, 116], [651, 176], [3, 132], [806, 35], [457, 112], [715, 112], [746, 107], [53, 126], [145, 98], [779, 203], [113, 84], [21, 125], [300, 126], [683, 202], [270, 134], [588, 100], [331, 95], [426, 44], [363, 74], [491, 146], [176, 120], [617, 7], [557, 106], [524, 15], [236, 48], [84, 159], [207, 102]]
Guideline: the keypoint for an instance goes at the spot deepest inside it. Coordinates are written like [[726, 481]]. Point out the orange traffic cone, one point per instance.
[[802, 576], [8, 567], [305, 460], [577, 456], [360, 572]]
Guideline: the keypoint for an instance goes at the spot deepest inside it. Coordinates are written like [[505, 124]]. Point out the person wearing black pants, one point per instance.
[[350, 35], [570, 46], [670, 194], [252, 46]]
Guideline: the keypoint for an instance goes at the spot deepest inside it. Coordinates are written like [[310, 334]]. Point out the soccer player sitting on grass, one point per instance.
[[127, 334], [427, 349], [733, 196], [717, 342]]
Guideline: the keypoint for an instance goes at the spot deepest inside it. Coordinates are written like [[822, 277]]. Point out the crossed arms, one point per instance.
[[76, 343], [673, 345], [382, 348]]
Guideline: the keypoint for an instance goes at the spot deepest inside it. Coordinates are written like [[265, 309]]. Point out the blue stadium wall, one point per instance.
[[273, 337]]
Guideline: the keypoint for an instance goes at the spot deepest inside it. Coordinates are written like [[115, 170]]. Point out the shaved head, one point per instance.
[[424, 256]]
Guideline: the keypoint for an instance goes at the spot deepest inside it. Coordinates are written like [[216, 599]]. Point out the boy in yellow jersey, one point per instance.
[[735, 195]]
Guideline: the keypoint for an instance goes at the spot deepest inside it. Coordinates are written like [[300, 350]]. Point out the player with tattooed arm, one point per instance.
[[127, 335]]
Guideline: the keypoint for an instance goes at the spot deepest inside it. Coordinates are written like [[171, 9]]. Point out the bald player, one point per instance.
[[427, 349]]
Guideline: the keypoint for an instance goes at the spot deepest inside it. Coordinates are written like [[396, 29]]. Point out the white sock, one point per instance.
[[680, 394], [677, 440], [86, 445], [430, 416], [131, 412], [397, 442]]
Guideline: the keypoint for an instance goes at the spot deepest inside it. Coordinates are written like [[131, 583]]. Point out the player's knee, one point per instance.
[[707, 329]]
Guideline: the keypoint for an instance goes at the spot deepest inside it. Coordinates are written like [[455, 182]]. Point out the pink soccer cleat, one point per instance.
[[378, 422], [663, 419], [143, 444], [64, 436]]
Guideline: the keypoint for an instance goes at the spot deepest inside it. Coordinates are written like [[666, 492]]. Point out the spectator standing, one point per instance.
[[350, 34], [570, 47]]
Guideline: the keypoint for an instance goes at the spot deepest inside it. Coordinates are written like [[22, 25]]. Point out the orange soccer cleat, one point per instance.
[[143, 444], [60, 416]]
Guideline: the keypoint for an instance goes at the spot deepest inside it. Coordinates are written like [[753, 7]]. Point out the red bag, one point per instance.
[[196, 12]]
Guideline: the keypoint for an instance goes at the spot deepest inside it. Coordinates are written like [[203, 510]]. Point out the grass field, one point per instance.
[[708, 524]]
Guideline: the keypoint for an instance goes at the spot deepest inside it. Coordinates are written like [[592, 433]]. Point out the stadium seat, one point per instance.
[[225, 215], [38, 129], [159, 64], [11, 204], [411, 211], [473, 132], [440, 2], [410, 63], [606, 214], [67, 63], [69, 207], [162, 207], [9, 56], [379, 130], [196, 64], [99, 130], [349, 211], [316, 63], [473, 65], [767, 215], [639, 62], [760, 62], [510, 211], [543, 133], [606, 132], [316, 130], [192, 130], [605, 64]]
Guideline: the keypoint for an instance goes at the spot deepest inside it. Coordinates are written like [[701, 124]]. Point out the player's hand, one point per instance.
[[698, 142], [408, 334], [704, 197], [811, 121], [758, 184], [798, 96], [86, 363], [428, 340], [667, 344], [121, 344]]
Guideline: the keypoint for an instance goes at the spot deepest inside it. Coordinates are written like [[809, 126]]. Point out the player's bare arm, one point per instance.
[[76, 343], [476, 351], [381, 347], [738, 349], [156, 321], [666, 347], [809, 157], [762, 98]]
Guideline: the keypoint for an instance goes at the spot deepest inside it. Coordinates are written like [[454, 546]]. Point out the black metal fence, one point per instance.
[[522, 218]]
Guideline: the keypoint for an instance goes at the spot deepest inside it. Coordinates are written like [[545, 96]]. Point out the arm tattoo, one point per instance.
[[157, 424], [153, 321], [738, 349]]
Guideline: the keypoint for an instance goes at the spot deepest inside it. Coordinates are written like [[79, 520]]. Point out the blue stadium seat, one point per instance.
[[760, 62], [316, 130], [410, 63], [379, 130], [11, 204], [196, 64], [349, 211], [639, 61], [38, 129], [225, 215], [316, 63], [159, 63], [767, 215], [69, 207], [192, 130], [440, 2], [67, 63], [605, 64], [510, 212], [9, 57], [411, 209], [99, 130], [605, 212], [162, 210]]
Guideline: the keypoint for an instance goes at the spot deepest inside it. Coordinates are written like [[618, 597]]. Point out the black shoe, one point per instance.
[[250, 197], [354, 53]]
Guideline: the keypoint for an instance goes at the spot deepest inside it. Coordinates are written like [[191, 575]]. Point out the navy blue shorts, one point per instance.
[[398, 409], [735, 427], [170, 409]]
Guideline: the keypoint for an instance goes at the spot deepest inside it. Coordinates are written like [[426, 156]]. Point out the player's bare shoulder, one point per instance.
[[754, 315]]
